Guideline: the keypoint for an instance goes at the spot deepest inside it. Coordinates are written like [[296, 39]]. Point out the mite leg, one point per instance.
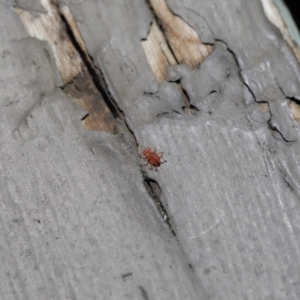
[[146, 164], [161, 156]]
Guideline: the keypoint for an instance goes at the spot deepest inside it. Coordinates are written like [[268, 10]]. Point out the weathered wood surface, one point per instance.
[[77, 221]]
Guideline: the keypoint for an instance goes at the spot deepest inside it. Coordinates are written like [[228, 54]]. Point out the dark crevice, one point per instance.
[[193, 107], [285, 178], [150, 93], [169, 112], [294, 100], [275, 129], [99, 81], [237, 64], [155, 192], [95, 73], [161, 27], [144, 293], [264, 102], [162, 114], [282, 91], [166, 56], [212, 92], [288, 184], [166, 39], [145, 39], [148, 3], [188, 109], [252, 93], [186, 96], [126, 275], [84, 117], [132, 135], [176, 112], [271, 127]]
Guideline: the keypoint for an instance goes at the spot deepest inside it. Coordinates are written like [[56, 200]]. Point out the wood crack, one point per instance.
[[172, 41], [83, 81]]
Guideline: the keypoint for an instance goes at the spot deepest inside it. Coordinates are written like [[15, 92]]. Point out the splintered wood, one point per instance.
[[78, 81], [295, 109], [158, 53], [180, 44]]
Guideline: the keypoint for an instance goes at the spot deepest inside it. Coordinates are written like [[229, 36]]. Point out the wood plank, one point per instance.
[[82, 219]]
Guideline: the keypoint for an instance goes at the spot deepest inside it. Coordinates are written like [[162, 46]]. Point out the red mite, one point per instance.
[[153, 159]]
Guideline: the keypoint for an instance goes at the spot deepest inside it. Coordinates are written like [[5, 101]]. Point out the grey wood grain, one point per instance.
[[76, 219]]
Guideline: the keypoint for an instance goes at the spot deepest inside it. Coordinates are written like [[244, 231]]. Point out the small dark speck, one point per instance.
[[210, 113], [191, 267], [126, 275], [206, 271]]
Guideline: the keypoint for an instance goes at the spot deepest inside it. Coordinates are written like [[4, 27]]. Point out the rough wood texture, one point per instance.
[[158, 54], [53, 26], [81, 219], [182, 38], [273, 13]]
